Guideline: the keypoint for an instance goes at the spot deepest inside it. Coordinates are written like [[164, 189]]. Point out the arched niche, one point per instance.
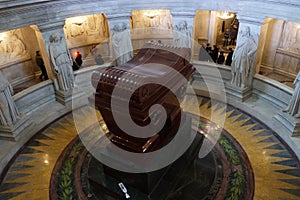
[[153, 25], [280, 45], [17, 55], [210, 27], [86, 32]]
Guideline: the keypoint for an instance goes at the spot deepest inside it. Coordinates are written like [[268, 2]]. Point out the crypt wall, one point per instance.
[[82, 32], [49, 16], [251, 12], [281, 51], [17, 53]]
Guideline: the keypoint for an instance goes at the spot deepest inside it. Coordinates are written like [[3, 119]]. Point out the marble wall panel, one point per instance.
[[35, 97], [201, 24], [281, 51]]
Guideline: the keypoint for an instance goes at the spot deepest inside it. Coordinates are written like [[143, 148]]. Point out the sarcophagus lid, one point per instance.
[[158, 74]]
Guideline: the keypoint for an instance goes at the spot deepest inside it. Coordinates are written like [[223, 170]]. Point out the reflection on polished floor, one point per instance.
[[249, 161]]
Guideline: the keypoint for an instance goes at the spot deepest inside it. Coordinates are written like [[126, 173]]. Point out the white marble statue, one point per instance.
[[9, 113], [61, 63], [294, 105], [121, 44], [243, 59], [182, 35]]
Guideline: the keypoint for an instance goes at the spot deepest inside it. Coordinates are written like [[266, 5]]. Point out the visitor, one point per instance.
[[229, 57], [78, 59], [215, 53], [221, 58], [207, 47], [39, 61], [226, 37], [75, 66], [99, 60]]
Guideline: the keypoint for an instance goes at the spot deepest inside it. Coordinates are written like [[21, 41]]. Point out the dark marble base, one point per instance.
[[147, 186], [154, 185], [208, 178]]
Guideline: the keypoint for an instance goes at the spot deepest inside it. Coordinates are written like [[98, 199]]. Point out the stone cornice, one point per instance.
[[117, 16], [51, 26], [250, 20], [278, 2], [183, 13], [17, 14]]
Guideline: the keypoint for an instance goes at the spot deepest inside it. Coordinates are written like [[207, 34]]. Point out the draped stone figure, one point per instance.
[[182, 35], [9, 113], [121, 43], [243, 59], [61, 63], [293, 107]]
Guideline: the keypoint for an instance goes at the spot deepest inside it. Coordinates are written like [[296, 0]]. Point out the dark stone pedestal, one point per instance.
[[154, 185]]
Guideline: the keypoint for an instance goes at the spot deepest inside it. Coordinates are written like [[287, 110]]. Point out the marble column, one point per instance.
[[183, 23], [243, 70], [212, 33], [120, 39], [53, 48]]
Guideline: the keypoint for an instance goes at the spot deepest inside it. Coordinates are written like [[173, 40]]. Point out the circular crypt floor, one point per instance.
[[249, 161]]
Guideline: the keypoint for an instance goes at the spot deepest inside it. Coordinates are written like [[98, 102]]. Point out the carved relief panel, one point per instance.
[[151, 22], [86, 30], [12, 48], [287, 56], [281, 48]]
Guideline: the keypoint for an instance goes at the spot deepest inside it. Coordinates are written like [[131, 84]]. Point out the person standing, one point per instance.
[[215, 53], [78, 59], [226, 37], [221, 58], [40, 63], [229, 57]]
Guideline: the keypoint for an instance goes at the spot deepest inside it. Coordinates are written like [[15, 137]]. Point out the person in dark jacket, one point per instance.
[[221, 58], [40, 63], [215, 53], [78, 59], [229, 57]]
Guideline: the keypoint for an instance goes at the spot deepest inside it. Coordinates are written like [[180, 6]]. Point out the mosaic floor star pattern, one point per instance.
[[275, 168]]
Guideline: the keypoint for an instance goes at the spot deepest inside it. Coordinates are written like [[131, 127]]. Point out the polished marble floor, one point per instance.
[[36, 168]]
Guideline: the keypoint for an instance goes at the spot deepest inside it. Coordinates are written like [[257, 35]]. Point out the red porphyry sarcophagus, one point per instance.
[[153, 76]]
